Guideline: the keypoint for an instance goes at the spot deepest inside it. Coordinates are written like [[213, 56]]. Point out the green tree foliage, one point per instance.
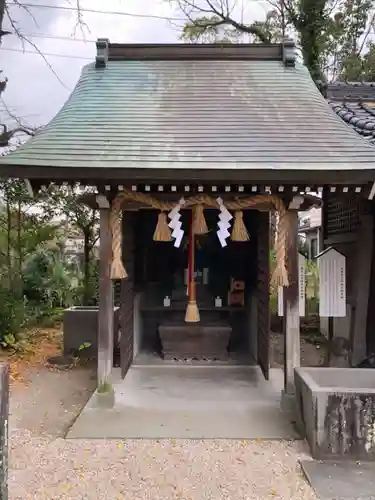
[[334, 36], [25, 224], [36, 275], [46, 279], [86, 221]]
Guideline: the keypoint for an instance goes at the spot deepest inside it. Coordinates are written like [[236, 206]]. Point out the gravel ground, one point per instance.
[[311, 354], [44, 466]]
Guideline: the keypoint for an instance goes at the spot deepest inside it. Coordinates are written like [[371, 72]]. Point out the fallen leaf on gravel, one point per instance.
[[273, 492]]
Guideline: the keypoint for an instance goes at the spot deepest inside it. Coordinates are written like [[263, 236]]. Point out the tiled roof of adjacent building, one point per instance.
[[194, 106], [355, 104]]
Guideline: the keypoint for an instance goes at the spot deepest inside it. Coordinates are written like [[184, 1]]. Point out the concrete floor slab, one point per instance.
[[189, 402], [341, 480]]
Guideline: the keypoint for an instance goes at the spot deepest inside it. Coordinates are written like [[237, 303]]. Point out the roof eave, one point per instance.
[[202, 174]]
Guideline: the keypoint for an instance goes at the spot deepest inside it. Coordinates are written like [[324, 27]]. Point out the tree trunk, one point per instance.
[[310, 25], [19, 252], [9, 236], [2, 13]]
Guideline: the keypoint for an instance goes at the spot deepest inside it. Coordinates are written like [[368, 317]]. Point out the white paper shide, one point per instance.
[[224, 223], [175, 223]]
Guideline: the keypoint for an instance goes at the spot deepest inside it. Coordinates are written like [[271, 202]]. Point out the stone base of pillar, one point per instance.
[[105, 400]]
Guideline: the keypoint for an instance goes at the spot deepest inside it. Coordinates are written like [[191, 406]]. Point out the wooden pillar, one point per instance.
[[292, 354], [127, 291], [365, 243], [263, 291], [105, 333]]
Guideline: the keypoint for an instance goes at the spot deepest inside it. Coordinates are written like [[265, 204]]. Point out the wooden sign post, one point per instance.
[[301, 289], [332, 287]]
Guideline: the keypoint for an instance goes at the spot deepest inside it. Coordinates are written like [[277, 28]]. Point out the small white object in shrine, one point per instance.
[[218, 302], [332, 283], [301, 289]]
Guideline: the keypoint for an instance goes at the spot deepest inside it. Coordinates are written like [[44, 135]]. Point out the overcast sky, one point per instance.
[[33, 92]]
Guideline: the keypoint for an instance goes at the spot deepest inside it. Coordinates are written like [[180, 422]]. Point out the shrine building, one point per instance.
[[188, 149]]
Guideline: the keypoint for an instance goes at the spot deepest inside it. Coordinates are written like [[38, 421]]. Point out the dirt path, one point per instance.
[[51, 400]]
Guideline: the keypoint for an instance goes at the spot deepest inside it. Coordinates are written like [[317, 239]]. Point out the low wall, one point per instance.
[[80, 326], [336, 412]]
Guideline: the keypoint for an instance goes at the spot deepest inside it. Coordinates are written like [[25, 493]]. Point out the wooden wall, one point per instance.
[[348, 227], [370, 324]]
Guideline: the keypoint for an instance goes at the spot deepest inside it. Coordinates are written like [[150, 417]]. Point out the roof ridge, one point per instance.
[[284, 51]]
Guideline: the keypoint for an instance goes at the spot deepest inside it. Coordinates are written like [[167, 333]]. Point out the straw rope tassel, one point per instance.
[[199, 221], [280, 276], [162, 231], [118, 271], [239, 231]]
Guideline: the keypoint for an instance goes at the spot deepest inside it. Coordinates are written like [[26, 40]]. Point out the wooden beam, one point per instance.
[[105, 333], [291, 308]]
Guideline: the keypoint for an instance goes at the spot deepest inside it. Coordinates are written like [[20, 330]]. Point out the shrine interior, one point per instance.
[[226, 278]]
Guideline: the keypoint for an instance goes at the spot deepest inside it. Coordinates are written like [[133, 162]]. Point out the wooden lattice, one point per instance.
[[343, 214]]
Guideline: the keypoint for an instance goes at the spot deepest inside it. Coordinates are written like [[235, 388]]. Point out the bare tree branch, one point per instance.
[[24, 40], [14, 117], [6, 135], [220, 14], [366, 35], [27, 10], [80, 23]]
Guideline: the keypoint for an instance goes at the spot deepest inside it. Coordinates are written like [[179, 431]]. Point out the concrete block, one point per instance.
[[80, 325], [336, 411]]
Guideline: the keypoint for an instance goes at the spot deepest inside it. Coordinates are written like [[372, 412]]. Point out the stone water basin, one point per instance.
[[336, 412]]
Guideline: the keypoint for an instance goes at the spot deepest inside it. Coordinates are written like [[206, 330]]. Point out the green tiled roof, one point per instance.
[[211, 114]]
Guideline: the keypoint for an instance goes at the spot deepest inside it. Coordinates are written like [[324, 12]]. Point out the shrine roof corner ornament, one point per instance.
[[242, 107]]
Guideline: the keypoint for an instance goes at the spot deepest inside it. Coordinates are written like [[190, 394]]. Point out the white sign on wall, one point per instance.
[[332, 283], [301, 289]]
